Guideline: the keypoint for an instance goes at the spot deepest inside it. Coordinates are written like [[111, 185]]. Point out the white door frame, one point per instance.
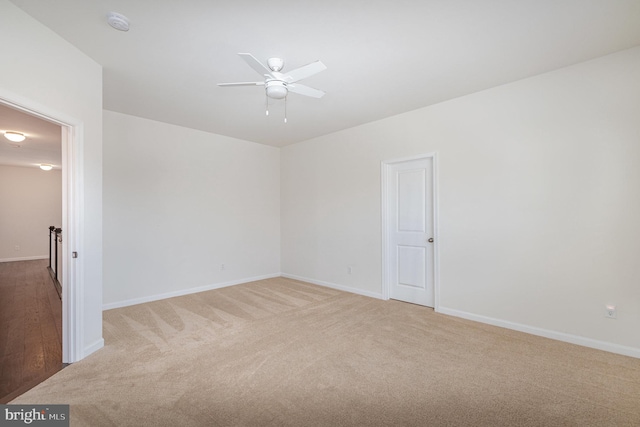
[[385, 167], [72, 220]]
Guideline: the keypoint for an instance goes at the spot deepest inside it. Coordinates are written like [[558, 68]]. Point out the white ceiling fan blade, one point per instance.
[[242, 84], [305, 90], [255, 64], [304, 72]]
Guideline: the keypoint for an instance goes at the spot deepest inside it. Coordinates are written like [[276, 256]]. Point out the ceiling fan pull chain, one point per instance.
[[266, 103], [285, 109]]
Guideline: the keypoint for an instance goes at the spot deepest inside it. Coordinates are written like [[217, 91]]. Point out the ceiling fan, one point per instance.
[[277, 84]]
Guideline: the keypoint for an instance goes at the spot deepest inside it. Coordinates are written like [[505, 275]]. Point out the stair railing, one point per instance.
[[55, 238]]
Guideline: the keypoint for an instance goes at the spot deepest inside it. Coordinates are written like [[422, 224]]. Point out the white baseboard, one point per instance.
[[559, 336], [182, 292], [24, 258], [335, 286], [93, 348]]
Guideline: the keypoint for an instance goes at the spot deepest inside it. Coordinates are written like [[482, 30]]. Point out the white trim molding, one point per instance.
[[349, 289], [91, 348], [73, 348], [181, 292], [546, 333], [25, 258], [158, 297]]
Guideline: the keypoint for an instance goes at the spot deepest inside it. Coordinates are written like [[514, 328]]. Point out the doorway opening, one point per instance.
[[409, 230], [70, 167]]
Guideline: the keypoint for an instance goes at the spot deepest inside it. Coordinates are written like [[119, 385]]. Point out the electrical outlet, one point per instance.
[[610, 311], [17, 248], [350, 269], [221, 267]]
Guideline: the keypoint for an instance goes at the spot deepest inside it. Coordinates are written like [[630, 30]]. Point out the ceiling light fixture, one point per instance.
[[118, 21], [14, 136], [46, 167]]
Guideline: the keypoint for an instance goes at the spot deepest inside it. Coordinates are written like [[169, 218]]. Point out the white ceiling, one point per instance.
[[383, 57], [43, 143]]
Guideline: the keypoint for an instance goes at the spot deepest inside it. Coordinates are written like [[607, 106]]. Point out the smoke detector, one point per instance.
[[118, 21]]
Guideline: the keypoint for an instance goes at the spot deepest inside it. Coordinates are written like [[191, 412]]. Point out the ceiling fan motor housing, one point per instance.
[[275, 64], [276, 89]]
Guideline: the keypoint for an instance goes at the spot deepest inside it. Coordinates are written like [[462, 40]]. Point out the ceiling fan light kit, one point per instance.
[[276, 89], [278, 85]]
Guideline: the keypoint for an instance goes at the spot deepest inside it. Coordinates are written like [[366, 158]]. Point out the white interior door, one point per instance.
[[410, 231]]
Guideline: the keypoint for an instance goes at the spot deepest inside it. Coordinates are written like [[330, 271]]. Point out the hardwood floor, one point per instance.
[[30, 327]]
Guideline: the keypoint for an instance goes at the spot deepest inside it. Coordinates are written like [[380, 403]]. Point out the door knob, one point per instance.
[[430, 240]]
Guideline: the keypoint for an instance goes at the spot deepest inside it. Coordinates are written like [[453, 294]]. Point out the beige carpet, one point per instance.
[[285, 353]]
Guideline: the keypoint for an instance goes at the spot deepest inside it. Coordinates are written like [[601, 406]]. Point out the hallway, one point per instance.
[[30, 327]]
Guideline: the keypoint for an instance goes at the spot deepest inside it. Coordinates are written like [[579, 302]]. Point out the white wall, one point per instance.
[[179, 203], [38, 68], [539, 202], [31, 202]]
